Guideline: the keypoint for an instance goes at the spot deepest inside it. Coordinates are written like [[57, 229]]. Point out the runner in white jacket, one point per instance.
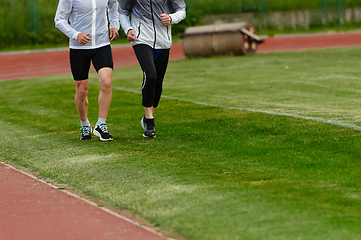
[[89, 42], [149, 32]]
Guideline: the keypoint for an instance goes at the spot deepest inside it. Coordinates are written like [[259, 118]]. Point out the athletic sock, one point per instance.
[[100, 121], [85, 123]]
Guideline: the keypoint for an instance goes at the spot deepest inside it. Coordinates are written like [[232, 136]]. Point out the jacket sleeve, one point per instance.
[[179, 8], [125, 9], [113, 14], [61, 19]]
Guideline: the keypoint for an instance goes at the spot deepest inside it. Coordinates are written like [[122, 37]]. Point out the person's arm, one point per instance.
[[113, 19], [61, 22], [61, 19], [179, 8], [125, 8]]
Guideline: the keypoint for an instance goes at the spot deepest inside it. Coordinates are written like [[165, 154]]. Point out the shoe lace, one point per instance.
[[103, 127], [86, 130]]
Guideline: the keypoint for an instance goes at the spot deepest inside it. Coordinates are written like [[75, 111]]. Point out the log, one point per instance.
[[219, 40]]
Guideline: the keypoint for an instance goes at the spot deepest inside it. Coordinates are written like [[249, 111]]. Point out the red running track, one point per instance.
[[313, 41], [47, 63], [31, 209]]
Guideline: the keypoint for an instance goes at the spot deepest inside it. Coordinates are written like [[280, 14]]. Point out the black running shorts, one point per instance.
[[80, 60]]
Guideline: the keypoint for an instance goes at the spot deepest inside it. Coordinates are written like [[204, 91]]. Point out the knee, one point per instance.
[[150, 78], [106, 84], [82, 94]]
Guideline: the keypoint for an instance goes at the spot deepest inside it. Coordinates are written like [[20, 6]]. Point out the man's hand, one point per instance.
[[113, 34], [83, 38], [166, 19], [131, 35]]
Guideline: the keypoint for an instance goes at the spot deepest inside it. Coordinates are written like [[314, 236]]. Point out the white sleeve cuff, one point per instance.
[[129, 28], [75, 36]]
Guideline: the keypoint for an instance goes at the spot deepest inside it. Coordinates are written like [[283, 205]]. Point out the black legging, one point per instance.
[[154, 68]]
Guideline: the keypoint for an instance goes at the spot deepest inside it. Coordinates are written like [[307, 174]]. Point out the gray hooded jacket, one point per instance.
[[147, 23], [87, 17]]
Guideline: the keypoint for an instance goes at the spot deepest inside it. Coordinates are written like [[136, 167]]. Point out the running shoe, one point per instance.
[[86, 133], [148, 127], [101, 131]]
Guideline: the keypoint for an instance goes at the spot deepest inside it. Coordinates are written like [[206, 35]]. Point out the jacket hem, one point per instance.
[[89, 47]]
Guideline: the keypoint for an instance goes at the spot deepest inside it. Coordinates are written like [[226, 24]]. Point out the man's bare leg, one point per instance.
[[105, 94], [104, 100], [81, 98], [149, 112]]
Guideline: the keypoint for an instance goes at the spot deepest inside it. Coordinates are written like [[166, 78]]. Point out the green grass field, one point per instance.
[[248, 148]]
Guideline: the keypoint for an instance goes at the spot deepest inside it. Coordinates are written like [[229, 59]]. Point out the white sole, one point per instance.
[[148, 137], [141, 123], [96, 133]]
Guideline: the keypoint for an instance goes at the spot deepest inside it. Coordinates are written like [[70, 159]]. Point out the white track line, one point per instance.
[[332, 122], [87, 201]]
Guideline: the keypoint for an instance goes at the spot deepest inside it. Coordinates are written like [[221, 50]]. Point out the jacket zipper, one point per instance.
[[94, 20], [138, 30], [168, 32], [155, 32]]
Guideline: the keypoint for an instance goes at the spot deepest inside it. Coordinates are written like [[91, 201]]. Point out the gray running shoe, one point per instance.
[[86, 133], [148, 127], [101, 131]]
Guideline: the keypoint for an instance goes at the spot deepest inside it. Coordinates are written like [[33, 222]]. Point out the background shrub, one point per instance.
[[24, 24]]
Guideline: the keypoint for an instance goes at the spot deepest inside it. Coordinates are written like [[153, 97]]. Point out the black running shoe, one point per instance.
[[148, 127], [86, 133], [102, 132]]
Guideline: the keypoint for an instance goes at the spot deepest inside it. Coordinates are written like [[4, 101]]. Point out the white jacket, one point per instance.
[[87, 16], [147, 23]]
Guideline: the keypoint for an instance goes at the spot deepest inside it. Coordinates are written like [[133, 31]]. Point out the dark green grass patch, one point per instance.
[[211, 173]]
